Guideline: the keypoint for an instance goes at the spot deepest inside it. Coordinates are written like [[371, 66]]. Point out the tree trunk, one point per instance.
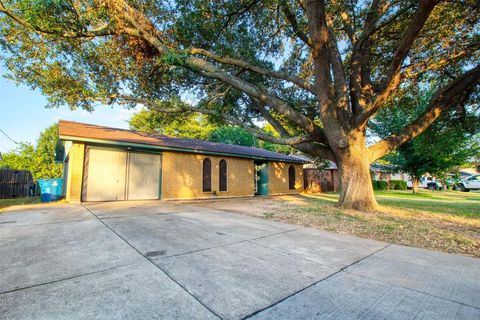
[[415, 184], [444, 185], [356, 190]]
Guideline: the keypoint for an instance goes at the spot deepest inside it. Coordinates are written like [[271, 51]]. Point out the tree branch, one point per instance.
[[270, 119], [315, 149], [236, 14], [360, 80], [265, 72], [290, 16], [348, 27], [209, 70], [392, 80], [254, 130], [439, 103], [339, 80], [370, 31], [317, 25]]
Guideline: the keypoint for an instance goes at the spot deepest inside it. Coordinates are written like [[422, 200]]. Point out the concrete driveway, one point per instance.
[[161, 260]]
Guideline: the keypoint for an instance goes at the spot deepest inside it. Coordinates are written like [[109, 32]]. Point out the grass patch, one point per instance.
[[445, 221], [439, 202], [454, 203], [268, 215], [5, 203]]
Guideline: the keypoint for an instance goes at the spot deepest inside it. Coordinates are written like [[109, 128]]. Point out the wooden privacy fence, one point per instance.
[[16, 184], [320, 181]]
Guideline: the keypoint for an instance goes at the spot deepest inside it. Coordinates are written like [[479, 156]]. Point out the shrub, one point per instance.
[[397, 185], [382, 185], [379, 185]]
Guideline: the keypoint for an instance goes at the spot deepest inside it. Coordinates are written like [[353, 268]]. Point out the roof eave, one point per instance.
[[166, 148]]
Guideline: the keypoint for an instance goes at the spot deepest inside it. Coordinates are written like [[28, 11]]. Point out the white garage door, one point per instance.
[[143, 176], [120, 175]]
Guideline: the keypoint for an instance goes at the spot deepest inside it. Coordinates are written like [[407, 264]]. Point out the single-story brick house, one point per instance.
[[104, 164]]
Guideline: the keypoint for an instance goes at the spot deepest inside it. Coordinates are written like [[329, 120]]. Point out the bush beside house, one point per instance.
[[379, 185], [397, 185], [389, 185]]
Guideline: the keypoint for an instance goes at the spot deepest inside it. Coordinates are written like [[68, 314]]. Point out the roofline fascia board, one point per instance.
[[163, 148]]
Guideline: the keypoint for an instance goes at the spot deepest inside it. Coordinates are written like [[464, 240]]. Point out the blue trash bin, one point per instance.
[[50, 189]]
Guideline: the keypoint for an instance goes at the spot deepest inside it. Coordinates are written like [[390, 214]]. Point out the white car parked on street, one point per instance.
[[426, 183], [471, 183]]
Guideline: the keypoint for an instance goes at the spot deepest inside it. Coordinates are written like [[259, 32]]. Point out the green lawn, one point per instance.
[[5, 203], [439, 202]]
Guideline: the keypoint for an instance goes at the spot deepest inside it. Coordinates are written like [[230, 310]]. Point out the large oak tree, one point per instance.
[[317, 71]]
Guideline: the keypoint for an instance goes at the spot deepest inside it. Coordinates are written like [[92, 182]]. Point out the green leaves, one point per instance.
[[232, 135], [187, 125], [174, 58], [39, 160], [86, 53], [446, 144]]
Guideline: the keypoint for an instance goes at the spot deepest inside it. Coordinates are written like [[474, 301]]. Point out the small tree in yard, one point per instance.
[[232, 135], [39, 160], [19, 159], [446, 144], [188, 125], [315, 70]]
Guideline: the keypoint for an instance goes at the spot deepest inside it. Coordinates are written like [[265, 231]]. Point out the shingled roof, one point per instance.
[[76, 131]]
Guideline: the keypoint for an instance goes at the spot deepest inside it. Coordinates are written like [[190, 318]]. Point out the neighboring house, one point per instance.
[[384, 172], [103, 164]]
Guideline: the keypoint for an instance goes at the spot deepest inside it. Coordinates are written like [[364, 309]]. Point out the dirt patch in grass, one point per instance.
[[452, 226]]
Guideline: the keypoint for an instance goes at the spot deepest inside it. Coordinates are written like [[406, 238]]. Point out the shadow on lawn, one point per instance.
[[440, 202]]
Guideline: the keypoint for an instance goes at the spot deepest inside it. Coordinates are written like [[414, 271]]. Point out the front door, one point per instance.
[[261, 178]]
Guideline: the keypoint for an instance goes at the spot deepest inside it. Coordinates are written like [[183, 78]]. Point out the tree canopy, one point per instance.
[[199, 126], [232, 135], [190, 125], [445, 145], [315, 70]]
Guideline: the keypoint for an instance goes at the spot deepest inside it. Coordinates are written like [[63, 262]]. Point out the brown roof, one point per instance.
[[76, 131]]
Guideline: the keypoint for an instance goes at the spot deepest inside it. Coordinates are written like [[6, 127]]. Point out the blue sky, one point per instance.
[[23, 114]]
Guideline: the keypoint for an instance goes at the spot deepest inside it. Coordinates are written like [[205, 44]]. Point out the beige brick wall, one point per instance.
[[182, 176], [278, 178], [75, 172]]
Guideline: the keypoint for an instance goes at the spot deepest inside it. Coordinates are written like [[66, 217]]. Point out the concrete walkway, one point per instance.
[[160, 260]]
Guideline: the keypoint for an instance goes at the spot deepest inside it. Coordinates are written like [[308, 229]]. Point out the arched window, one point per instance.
[[223, 175], [291, 177], [207, 175]]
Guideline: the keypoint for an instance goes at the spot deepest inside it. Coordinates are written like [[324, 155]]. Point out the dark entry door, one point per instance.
[[261, 178]]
